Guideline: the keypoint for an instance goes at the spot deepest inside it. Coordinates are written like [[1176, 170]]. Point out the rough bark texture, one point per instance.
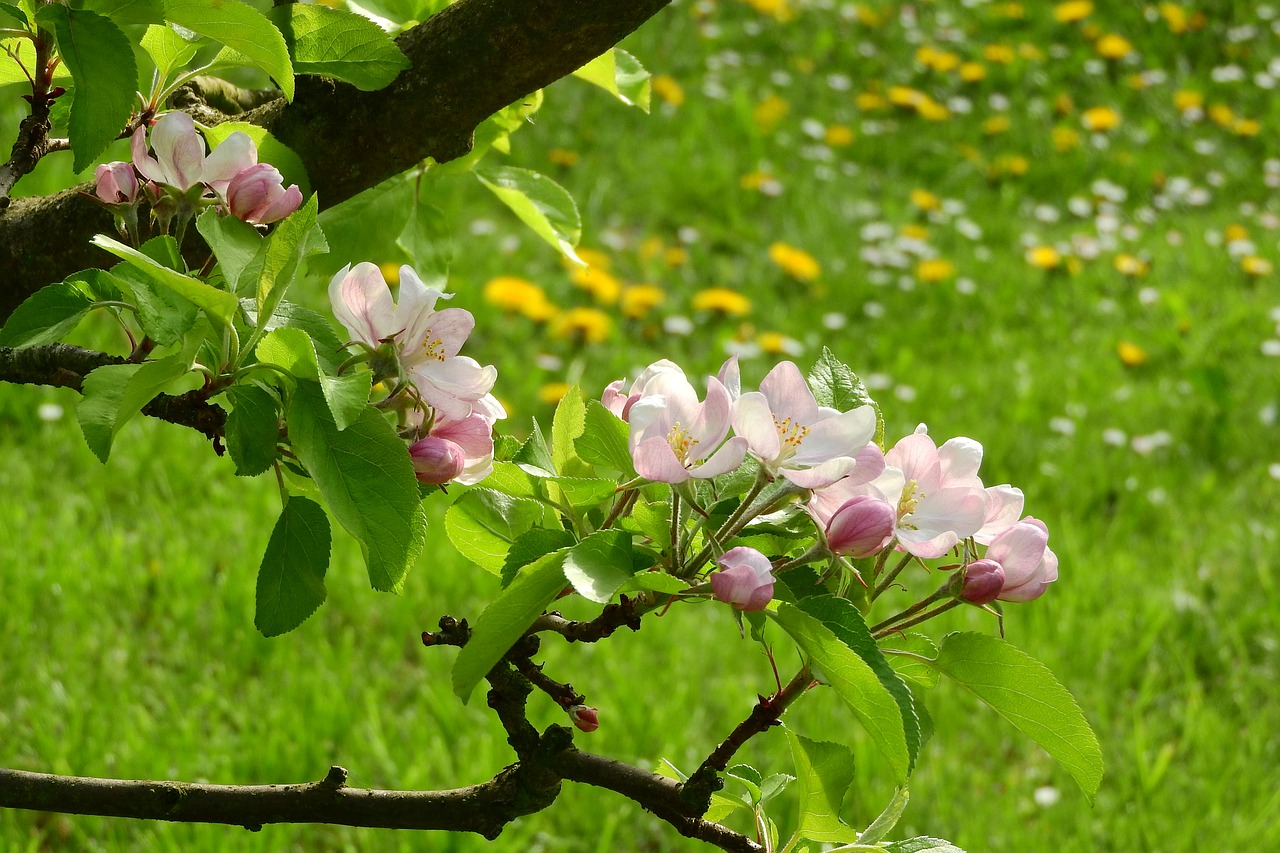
[[469, 61]]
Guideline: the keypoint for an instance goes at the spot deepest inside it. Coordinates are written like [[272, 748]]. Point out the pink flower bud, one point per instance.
[[982, 582], [437, 460], [584, 717], [116, 183], [862, 526], [745, 579], [257, 195]]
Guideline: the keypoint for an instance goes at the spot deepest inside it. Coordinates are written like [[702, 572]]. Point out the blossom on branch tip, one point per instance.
[[180, 161], [257, 195], [620, 403], [1029, 565], [584, 717], [981, 582], [745, 579], [861, 527], [116, 183], [674, 437]]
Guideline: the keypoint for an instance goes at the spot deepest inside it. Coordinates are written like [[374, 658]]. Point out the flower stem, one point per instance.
[[892, 576], [924, 617]]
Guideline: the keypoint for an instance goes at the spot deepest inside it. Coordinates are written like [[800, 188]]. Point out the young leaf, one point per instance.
[[168, 50], [291, 578], [165, 316], [566, 425], [12, 17], [540, 203], [846, 622], [239, 248], [603, 441], [45, 316], [240, 27], [834, 384], [296, 238], [347, 396], [621, 75], [270, 150], [599, 565], [531, 545], [328, 347], [366, 477], [508, 617], [114, 393], [922, 844], [428, 241], [534, 457], [339, 44], [482, 524], [888, 819], [101, 62], [128, 11], [365, 225], [904, 650], [218, 304], [1025, 692], [854, 682], [253, 429], [824, 772]]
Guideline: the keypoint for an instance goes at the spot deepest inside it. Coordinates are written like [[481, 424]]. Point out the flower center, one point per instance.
[[680, 442], [432, 347], [911, 497], [792, 435]]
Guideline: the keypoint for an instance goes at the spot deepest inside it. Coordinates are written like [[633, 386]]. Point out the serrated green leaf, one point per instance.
[[165, 316], [749, 778], [506, 619], [239, 248], [531, 545], [253, 429], [888, 819], [128, 11], [653, 519], [539, 202], [339, 44], [854, 682], [11, 16], [101, 62], [846, 622], [834, 384], [482, 525], [824, 772], [294, 239], [567, 424], [291, 577], [621, 75], [241, 28], [603, 441], [904, 651], [219, 305], [365, 225], [428, 240], [45, 316], [534, 456], [922, 844], [328, 347], [599, 565], [509, 478], [347, 396], [1026, 693], [366, 477], [655, 581], [114, 393], [22, 62], [168, 50], [270, 150]]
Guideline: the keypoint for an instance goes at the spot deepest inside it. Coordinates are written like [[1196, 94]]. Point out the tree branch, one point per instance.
[[469, 61]]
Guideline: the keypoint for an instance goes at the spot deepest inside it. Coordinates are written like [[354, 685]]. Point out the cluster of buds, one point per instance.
[[448, 410]]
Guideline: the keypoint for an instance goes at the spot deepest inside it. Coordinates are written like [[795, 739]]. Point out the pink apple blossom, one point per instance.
[[180, 161], [620, 403], [1004, 508], [257, 195], [116, 183], [861, 527], [981, 582], [939, 497], [1029, 565], [675, 437], [745, 579]]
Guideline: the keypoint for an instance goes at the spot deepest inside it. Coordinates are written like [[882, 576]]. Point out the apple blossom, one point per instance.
[[454, 451], [619, 403], [257, 195], [745, 579], [1029, 565], [939, 497], [981, 582], [810, 445], [180, 161], [861, 527], [674, 437], [116, 183], [1004, 507]]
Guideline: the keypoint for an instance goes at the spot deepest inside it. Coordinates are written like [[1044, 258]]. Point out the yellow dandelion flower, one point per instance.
[[1222, 115], [1065, 139], [1186, 99], [755, 180], [1001, 54], [539, 309], [769, 113], [1100, 119], [675, 256], [796, 263], [584, 325], [838, 136], [639, 299], [564, 157], [510, 293], [914, 232], [1014, 164], [603, 287], [776, 343], [1030, 52], [390, 271], [870, 102], [592, 258], [1246, 127], [666, 88], [553, 392], [1131, 355], [905, 96], [721, 300], [1044, 257], [1255, 266], [925, 200], [1113, 46], [934, 270], [931, 110], [973, 72], [1175, 16], [1072, 11], [1235, 232], [996, 125], [780, 10], [1131, 265]]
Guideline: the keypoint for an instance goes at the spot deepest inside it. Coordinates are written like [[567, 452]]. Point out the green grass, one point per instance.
[[126, 640]]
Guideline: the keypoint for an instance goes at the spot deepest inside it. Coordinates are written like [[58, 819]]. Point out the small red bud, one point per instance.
[[584, 717]]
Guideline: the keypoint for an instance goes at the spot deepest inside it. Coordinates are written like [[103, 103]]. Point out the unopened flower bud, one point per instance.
[[116, 183], [745, 579], [437, 460], [257, 195], [862, 526], [584, 717], [982, 582]]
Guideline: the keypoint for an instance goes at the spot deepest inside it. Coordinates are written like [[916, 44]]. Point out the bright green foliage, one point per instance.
[[241, 28], [46, 315], [365, 224], [600, 565], [910, 664], [539, 202], [482, 524], [291, 578], [12, 17], [114, 393], [604, 440], [567, 425], [366, 479], [621, 75], [428, 241], [253, 429], [531, 545], [347, 396], [888, 819], [237, 245], [219, 305], [168, 50], [339, 44], [824, 772], [923, 844], [101, 60], [293, 241], [834, 384], [128, 11], [1026, 693], [328, 348]]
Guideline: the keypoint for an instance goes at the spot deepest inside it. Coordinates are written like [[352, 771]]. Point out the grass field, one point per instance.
[[1094, 304]]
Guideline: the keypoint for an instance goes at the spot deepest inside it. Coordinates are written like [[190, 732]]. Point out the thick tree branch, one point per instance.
[[469, 61]]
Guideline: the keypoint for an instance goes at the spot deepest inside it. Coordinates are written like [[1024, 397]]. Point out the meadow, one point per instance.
[[1051, 228]]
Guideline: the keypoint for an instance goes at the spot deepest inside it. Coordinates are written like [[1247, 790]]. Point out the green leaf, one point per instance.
[[656, 581], [599, 565], [12, 17], [270, 150], [1026, 693], [540, 203], [621, 75], [904, 651], [482, 524], [347, 396], [294, 239], [534, 457], [23, 54], [127, 11], [834, 384], [114, 393], [45, 316], [241, 28], [101, 62], [584, 492], [219, 305], [888, 819], [567, 424], [506, 619], [854, 682], [603, 441], [253, 429], [239, 248], [922, 844], [365, 225], [824, 772], [749, 777], [168, 50], [291, 578], [165, 316], [339, 44], [846, 622], [428, 241], [366, 477], [328, 346], [531, 545]]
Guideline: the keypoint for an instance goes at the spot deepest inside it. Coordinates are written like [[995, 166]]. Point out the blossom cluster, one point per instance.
[[918, 498], [181, 173], [450, 411]]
